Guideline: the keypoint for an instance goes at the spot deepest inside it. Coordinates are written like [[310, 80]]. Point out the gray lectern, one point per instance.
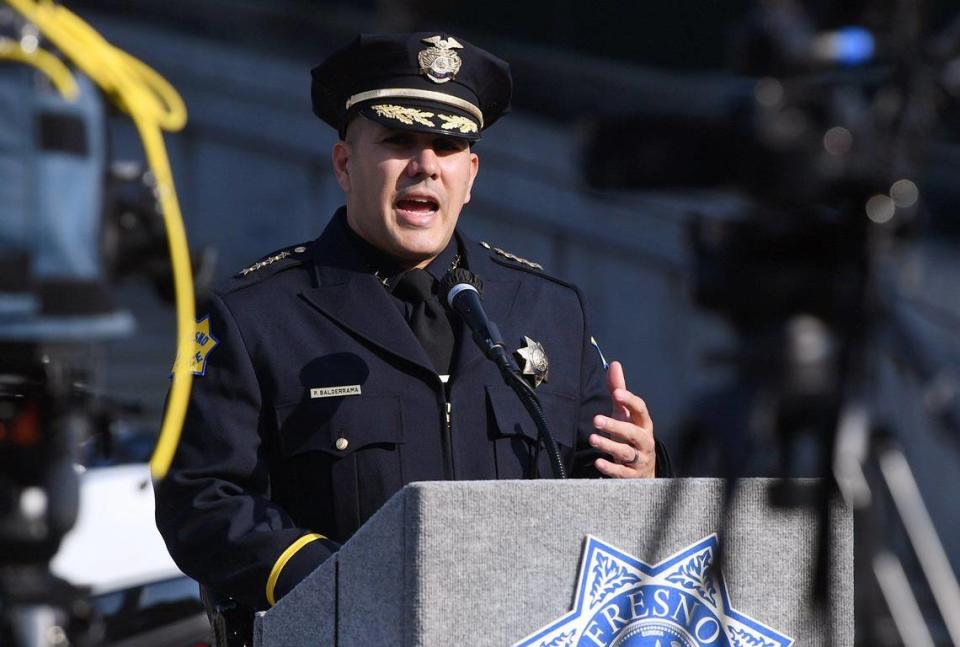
[[564, 563]]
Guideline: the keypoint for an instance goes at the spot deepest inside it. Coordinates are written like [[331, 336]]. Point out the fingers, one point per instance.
[[643, 469], [615, 378], [637, 410], [613, 470], [625, 433], [629, 443], [616, 381], [630, 431], [620, 452]]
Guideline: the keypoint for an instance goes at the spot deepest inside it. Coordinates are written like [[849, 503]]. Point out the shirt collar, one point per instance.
[[369, 257], [384, 266]]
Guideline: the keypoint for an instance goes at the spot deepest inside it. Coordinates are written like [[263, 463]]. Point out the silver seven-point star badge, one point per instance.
[[535, 361]]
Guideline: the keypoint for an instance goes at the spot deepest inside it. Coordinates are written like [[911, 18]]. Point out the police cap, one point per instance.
[[427, 81]]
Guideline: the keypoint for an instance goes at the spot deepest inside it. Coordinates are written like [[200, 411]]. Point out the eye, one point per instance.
[[448, 145], [398, 139]]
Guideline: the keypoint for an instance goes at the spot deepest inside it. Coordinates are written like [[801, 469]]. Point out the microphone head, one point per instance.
[[459, 278]]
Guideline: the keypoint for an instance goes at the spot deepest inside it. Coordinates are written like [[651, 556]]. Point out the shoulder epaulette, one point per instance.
[[275, 257], [512, 257]]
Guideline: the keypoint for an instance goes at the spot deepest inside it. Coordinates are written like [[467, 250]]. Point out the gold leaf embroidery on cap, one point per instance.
[[412, 93], [404, 115], [440, 63], [462, 124]]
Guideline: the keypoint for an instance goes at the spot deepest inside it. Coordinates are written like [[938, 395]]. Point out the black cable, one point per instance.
[[530, 401]]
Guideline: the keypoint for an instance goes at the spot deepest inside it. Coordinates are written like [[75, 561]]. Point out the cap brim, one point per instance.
[[422, 116]]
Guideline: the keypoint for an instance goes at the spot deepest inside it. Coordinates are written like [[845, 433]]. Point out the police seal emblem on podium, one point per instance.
[[620, 601]]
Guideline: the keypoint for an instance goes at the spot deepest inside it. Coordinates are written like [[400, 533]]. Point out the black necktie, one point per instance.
[[428, 318]]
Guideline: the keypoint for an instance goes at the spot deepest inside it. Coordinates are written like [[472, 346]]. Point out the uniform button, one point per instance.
[[299, 250], [342, 443]]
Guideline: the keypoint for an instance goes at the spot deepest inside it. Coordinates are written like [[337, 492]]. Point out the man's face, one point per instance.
[[404, 189]]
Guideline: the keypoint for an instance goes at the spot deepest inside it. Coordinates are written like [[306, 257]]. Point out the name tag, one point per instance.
[[335, 391]]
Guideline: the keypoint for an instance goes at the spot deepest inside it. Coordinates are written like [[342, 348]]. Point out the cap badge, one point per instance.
[[440, 63], [534, 361]]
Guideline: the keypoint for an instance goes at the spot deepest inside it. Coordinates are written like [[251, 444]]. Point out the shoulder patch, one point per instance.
[[512, 257], [203, 344], [270, 260]]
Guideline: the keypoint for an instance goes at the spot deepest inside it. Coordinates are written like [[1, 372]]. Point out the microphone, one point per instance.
[[461, 289]]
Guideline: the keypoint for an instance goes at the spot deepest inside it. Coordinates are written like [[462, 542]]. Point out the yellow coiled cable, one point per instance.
[[50, 65], [154, 105]]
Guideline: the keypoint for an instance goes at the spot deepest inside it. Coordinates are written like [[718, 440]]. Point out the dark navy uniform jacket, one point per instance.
[[317, 403]]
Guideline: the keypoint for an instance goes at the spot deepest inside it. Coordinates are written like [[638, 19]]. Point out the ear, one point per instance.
[[341, 164], [474, 169]]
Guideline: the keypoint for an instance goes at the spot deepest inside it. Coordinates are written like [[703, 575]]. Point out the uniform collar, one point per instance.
[[347, 292], [446, 260], [368, 258]]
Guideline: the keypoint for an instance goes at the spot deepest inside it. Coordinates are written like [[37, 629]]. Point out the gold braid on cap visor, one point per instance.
[[411, 93]]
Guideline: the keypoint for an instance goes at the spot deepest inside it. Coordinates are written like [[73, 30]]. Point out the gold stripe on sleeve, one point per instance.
[[285, 557]]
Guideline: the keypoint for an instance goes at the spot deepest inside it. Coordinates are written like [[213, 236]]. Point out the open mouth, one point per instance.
[[422, 206]]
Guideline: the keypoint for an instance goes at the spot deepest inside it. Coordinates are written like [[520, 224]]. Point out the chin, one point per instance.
[[421, 247]]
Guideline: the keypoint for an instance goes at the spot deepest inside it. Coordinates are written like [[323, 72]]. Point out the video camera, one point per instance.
[[73, 224]]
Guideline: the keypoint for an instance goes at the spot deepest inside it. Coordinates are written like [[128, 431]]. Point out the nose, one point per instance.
[[423, 162]]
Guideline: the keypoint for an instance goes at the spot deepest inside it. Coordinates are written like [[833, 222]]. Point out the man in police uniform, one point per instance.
[[329, 375]]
